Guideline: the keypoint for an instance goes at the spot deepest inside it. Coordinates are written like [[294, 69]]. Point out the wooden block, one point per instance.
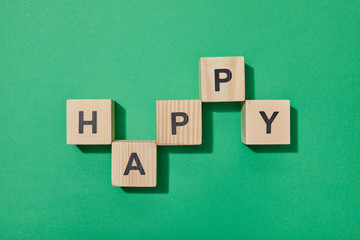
[[90, 121], [222, 79], [133, 163], [179, 122], [265, 122]]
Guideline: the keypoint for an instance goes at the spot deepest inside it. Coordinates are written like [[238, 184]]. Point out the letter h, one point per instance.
[[82, 122]]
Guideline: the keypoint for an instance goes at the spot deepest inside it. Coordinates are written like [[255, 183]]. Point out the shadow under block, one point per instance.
[[90, 121], [265, 122], [133, 163], [179, 122], [222, 79]]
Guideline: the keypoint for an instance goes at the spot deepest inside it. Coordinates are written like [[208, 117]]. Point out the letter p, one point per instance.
[[175, 124]]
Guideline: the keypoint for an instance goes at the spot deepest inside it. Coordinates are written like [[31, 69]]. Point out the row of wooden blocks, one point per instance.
[[179, 122]]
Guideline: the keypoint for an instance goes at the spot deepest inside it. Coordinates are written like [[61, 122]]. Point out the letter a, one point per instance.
[[138, 166]]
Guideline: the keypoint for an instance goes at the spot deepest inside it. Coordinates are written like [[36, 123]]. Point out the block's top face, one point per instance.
[[83, 111], [127, 154], [222, 79], [179, 122], [256, 127]]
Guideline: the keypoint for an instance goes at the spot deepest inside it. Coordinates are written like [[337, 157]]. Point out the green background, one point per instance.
[[137, 52]]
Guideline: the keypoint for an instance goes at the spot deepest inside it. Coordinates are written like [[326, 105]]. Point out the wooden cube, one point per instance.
[[90, 121], [222, 79], [265, 122], [133, 163], [179, 122]]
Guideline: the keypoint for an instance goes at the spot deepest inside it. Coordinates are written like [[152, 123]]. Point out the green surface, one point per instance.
[[137, 52]]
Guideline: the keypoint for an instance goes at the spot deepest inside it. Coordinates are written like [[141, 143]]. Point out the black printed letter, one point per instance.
[[268, 121], [174, 124], [138, 166], [218, 80], [82, 122]]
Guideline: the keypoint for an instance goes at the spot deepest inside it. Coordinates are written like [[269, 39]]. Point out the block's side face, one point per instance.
[[89, 122], [243, 122], [134, 164], [276, 131], [200, 88], [230, 72], [112, 120], [179, 122], [198, 123]]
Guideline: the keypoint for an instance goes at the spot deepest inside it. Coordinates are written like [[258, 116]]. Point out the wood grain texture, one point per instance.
[[189, 134], [121, 151], [254, 127], [231, 91], [105, 133]]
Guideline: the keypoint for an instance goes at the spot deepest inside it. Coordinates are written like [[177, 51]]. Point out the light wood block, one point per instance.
[[265, 122], [90, 121], [133, 163], [179, 122], [222, 79]]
